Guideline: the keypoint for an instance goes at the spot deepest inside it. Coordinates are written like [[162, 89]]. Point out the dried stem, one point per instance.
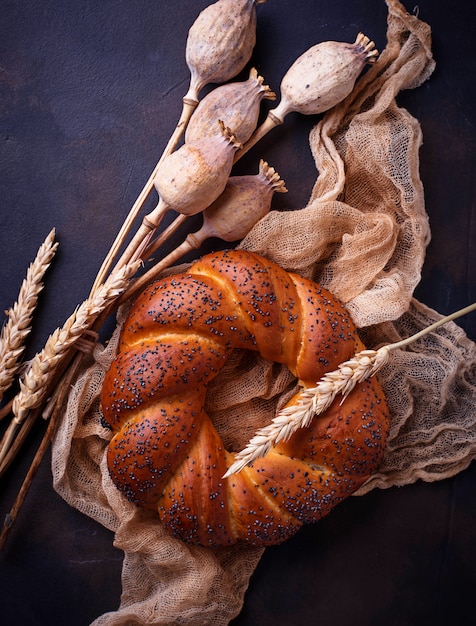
[[6, 410], [164, 235], [434, 326], [18, 441], [17, 328], [139, 242], [315, 400], [268, 124], [187, 110], [11, 516]]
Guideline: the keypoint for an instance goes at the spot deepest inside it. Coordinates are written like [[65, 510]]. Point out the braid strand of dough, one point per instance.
[[167, 455]]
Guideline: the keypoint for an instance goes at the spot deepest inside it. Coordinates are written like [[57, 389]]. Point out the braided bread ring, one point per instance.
[[167, 455]]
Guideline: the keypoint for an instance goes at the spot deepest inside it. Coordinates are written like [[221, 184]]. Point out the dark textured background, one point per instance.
[[89, 93]]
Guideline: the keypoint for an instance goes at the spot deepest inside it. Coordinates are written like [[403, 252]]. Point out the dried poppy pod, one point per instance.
[[220, 43], [323, 76], [192, 177], [237, 104], [318, 80], [245, 200]]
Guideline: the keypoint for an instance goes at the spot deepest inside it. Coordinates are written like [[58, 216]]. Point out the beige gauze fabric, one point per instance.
[[363, 235]]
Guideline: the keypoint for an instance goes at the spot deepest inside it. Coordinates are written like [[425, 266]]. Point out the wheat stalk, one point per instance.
[[42, 368], [315, 400], [60, 341], [312, 401], [17, 328]]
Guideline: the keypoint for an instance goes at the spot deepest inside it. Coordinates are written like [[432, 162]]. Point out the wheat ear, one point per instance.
[[18, 326], [315, 400], [42, 368]]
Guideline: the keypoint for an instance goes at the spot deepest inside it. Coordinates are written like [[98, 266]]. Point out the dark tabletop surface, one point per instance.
[[89, 93]]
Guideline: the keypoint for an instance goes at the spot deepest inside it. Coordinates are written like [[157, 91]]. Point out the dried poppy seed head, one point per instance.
[[244, 201], [237, 104], [191, 178], [323, 76], [220, 42]]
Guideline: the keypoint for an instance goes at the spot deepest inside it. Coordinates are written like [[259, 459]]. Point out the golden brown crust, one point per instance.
[[166, 453]]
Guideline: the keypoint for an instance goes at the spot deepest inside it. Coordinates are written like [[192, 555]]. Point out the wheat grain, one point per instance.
[[43, 366], [312, 401], [18, 326]]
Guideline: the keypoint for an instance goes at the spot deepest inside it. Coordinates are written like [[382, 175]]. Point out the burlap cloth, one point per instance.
[[363, 235]]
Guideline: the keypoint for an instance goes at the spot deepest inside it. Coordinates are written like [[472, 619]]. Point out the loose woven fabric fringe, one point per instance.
[[372, 232]]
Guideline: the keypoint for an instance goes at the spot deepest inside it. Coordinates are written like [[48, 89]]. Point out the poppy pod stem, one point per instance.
[[188, 108]]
